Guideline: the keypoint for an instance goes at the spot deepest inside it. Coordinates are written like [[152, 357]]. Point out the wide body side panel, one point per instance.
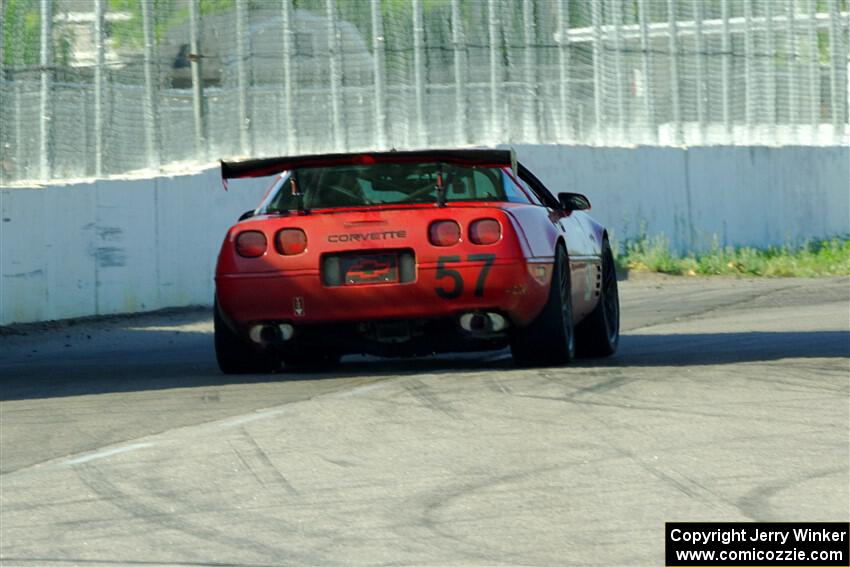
[[543, 227]]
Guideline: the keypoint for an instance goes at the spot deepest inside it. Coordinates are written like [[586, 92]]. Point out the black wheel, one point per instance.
[[237, 356], [550, 339], [599, 333]]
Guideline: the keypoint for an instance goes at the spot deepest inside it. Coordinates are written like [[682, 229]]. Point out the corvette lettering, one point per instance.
[[367, 236]]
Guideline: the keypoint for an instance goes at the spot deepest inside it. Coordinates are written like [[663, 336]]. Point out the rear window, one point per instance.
[[387, 184]]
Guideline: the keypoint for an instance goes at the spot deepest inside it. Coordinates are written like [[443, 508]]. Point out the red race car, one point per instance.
[[409, 253]]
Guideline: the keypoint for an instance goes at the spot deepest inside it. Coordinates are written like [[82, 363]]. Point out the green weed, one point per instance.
[[829, 257]]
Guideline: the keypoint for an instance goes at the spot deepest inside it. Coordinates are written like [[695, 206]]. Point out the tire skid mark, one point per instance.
[[212, 426], [257, 461], [431, 505], [427, 397], [483, 411], [338, 462], [718, 307], [173, 496], [497, 385], [756, 503], [144, 508], [655, 408], [686, 485], [569, 397], [135, 562], [358, 391], [811, 382], [610, 379], [617, 381], [681, 482]]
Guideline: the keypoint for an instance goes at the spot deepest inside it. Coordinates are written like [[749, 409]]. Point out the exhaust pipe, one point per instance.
[[483, 323], [267, 334]]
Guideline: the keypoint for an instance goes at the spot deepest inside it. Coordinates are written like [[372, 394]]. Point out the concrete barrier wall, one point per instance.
[[114, 246], [755, 196], [122, 246]]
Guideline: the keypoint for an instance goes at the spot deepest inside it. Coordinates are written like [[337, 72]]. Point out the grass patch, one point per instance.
[[817, 258]]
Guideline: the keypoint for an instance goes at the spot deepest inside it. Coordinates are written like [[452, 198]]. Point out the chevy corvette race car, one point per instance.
[[409, 253]]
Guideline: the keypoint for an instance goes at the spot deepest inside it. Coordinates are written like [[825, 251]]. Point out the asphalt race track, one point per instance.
[[123, 445]]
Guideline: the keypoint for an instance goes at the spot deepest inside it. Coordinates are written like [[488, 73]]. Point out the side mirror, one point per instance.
[[573, 202], [246, 215]]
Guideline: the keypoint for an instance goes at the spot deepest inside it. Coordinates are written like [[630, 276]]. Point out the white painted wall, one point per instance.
[[756, 196], [127, 245], [114, 246]]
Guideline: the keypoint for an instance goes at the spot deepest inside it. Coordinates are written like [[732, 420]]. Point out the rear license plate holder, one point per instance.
[[365, 269]]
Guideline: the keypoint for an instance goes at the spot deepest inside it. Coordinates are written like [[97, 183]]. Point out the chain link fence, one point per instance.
[[103, 87]]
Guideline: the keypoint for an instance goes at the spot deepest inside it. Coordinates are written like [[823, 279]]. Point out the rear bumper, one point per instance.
[[517, 288]]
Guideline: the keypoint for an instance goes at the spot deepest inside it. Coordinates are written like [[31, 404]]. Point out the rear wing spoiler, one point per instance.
[[270, 166]]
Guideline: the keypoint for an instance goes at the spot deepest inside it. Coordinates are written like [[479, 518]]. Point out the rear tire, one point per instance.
[[235, 355], [599, 334], [549, 339]]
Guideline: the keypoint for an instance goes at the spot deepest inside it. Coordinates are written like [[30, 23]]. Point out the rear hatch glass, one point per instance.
[[387, 184]]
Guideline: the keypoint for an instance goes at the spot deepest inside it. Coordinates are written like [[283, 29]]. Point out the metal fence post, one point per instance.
[[198, 102], [674, 72], [242, 54], [459, 48], [837, 60], [749, 79], [793, 86], [814, 72], [562, 14], [337, 133], [99, 130], [495, 66], [646, 66], [46, 95], [529, 130], [2, 56], [288, 129], [378, 74], [151, 88], [17, 64], [770, 103], [727, 70], [421, 135], [4, 113], [700, 68], [847, 72], [83, 141], [598, 67], [617, 16]]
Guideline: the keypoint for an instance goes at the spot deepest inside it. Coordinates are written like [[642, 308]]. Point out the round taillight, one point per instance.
[[251, 244], [485, 231], [291, 241], [444, 233]]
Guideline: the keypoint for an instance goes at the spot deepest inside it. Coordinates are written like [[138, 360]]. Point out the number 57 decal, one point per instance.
[[454, 286]]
